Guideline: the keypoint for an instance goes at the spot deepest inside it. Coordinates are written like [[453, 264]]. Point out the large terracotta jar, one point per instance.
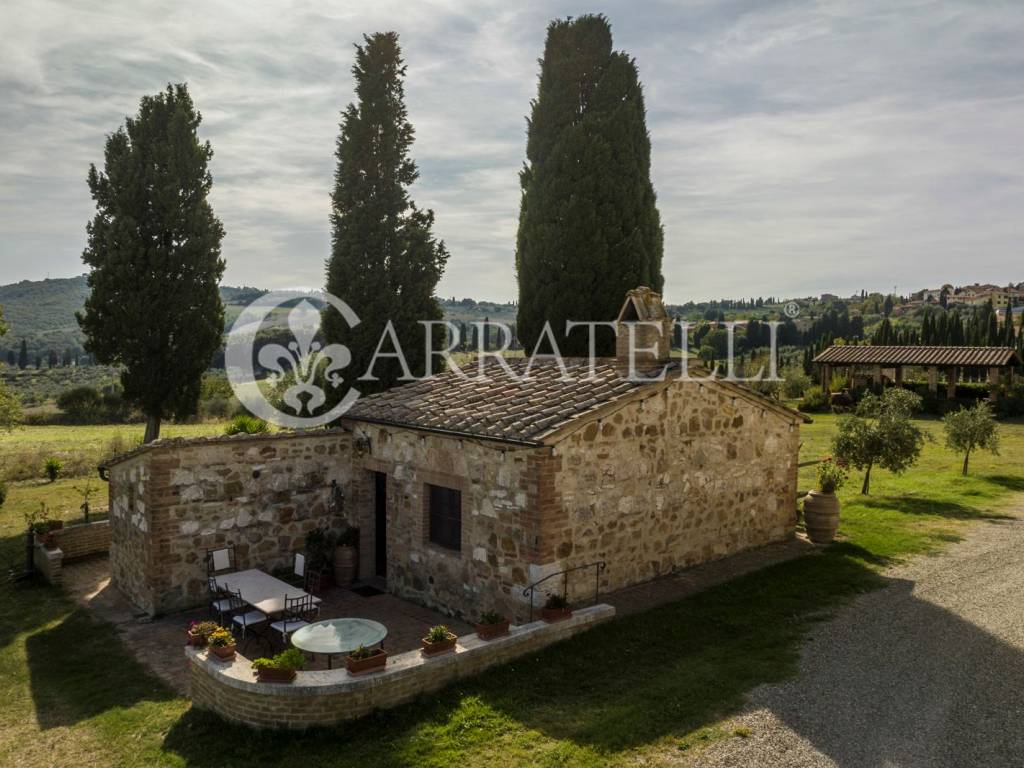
[[346, 565], [821, 516]]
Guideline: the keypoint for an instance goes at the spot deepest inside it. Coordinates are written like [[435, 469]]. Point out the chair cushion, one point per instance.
[[293, 626], [249, 618], [222, 605]]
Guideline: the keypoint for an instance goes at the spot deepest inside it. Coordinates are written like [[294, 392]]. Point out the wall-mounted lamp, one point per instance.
[[363, 443]]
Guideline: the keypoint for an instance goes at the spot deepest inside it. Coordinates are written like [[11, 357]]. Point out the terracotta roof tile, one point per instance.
[[499, 406], [872, 355]]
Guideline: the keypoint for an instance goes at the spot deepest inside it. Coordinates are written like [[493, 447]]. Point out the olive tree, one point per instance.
[[880, 433], [970, 429]]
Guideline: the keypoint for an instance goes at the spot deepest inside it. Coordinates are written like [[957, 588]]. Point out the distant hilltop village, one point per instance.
[[1003, 297]]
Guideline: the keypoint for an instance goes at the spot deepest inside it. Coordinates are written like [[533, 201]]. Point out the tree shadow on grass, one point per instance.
[[79, 669], [622, 685], [1009, 482], [912, 505]]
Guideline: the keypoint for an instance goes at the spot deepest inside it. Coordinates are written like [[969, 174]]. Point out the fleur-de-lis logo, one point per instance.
[[301, 365], [305, 356]]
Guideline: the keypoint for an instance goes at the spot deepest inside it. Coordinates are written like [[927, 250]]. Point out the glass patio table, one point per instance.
[[335, 636]]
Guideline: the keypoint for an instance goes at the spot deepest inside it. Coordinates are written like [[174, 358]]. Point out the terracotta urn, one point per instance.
[[821, 516], [346, 565]]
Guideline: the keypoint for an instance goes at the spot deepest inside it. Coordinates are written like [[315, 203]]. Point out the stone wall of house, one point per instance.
[[328, 697], [259, 494], [690, 474], [131, 561], [498, 491]]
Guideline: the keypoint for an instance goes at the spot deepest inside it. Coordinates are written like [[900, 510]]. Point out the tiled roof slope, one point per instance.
[[871, 355], [500, 407], [497, 405]]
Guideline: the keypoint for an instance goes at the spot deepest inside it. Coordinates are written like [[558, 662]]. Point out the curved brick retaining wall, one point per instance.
[[326, 697]]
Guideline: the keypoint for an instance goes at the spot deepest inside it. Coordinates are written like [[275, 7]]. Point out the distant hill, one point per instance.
[[43, 313]]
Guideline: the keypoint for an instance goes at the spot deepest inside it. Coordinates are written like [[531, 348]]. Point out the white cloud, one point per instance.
[[797, 147]]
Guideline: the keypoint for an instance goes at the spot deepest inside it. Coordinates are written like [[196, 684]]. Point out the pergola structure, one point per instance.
[[999, 363]]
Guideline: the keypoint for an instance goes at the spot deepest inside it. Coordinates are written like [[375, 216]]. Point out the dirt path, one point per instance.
[[927, 672]]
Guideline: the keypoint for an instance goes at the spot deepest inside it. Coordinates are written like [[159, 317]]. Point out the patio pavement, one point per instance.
[[157, 642]]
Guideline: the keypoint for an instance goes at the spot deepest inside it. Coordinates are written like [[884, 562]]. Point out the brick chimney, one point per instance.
[[651, 334]]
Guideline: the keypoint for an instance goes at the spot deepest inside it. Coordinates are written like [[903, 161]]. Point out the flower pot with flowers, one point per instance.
[[280, 668], [556, 608], [199, 632], [438, 640], [821, 506], [222, 644], [364, 659]]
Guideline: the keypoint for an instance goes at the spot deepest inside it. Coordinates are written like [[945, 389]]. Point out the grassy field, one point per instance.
[[80, 448], [647, 689]]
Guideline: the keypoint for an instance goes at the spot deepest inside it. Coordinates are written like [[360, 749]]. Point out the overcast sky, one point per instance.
[[798, 147]]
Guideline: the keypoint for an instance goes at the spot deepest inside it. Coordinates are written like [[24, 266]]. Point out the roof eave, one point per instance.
[[460, 434]]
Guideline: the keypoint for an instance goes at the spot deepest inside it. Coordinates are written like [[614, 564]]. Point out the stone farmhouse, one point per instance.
[[467, 489]]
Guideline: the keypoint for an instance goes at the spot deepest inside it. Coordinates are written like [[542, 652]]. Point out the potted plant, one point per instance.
[[346, 557], [199, 632], [45, 527], [222, 644], [556, 608], [319, 550], [821, 506], [491, 625], [281, 668], [364, 659], [439, 640]]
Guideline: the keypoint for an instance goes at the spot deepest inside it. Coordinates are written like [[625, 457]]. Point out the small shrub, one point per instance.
[[490, 617], [1010, 400], [81, 405], [247, 425], [362, 652], [52, 468], [439, 634], [556, 602], [289, 659], [796, 383], [815, 401], [831, 475]]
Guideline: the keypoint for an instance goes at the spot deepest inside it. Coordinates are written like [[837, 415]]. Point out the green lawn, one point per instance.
[[644, 689], [80, 448]]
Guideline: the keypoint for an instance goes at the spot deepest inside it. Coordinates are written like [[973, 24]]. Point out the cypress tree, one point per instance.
[[384, 261], [589, 228], [154, 257], [23, 355]]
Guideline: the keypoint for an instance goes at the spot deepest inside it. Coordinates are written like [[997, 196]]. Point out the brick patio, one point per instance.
[[158, 642]]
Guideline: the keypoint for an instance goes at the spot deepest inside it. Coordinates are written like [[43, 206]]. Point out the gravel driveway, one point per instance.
[[926, 672]]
